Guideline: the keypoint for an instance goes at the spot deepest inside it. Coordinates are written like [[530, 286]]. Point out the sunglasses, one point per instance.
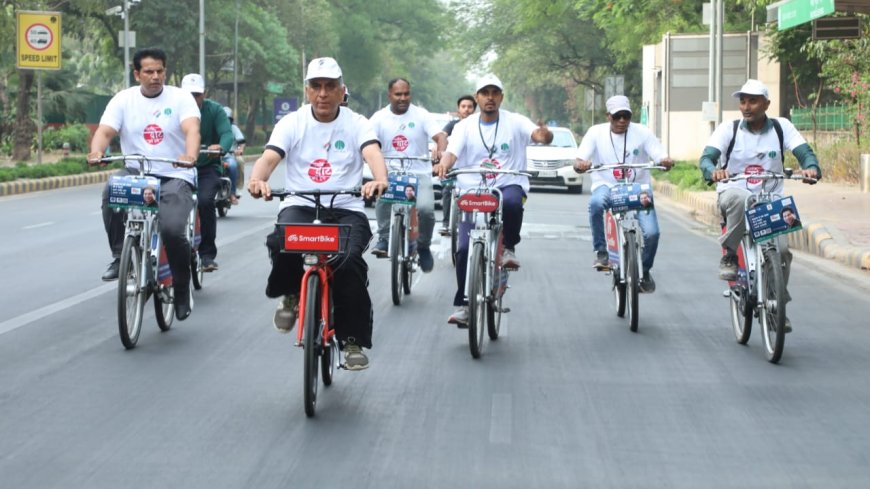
[[626, 116]]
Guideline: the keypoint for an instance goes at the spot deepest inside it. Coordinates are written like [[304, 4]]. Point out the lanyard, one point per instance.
[[491, 149], [624, 146]]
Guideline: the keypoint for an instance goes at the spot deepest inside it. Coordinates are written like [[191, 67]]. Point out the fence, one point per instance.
[[828, 118]]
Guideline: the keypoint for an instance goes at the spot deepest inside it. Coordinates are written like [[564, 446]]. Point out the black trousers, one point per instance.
[[208, 183], [353, 306]]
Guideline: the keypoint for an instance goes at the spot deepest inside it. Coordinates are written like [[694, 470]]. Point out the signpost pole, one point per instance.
[[126, 16], [39, 116]]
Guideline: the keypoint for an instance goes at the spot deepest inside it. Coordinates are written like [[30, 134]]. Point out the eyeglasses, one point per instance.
[[626, 116]]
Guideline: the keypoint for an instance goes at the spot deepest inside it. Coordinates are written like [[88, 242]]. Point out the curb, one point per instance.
[[813, 238], [23, 186]]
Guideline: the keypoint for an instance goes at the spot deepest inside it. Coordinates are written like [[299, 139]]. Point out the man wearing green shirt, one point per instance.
[[216, 134]]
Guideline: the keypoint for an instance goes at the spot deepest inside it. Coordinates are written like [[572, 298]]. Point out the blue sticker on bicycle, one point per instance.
[[130, 191], [401, 189], [771, 219], [633, 196]]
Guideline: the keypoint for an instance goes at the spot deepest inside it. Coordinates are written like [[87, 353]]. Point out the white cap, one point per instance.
[[488, 81], [228, 111], [323, 68], [752, 87], [193, 83], [618, 103]]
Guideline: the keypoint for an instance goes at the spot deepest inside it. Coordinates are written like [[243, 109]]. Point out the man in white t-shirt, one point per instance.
[[614, 142], [324, 145], [153, 119], [491, 138], [752, 145], [405, 130]]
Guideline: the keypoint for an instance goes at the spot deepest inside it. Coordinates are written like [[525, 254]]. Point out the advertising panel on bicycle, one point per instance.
[[634, 196], [313, 238], [401, 189], [770, 219], [126, 192], [482, 202]]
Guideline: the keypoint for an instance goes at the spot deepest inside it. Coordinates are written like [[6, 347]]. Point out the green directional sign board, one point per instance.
[[797, 12]]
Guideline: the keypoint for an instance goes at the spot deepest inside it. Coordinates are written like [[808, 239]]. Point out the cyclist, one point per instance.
[[405, 129], [154, 120], [324, 146], [217, 134], [620, 141], [465, 106], [752, 145], [231, 158], [491, 138]]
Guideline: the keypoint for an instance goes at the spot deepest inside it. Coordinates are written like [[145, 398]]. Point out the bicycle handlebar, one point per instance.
[[767, 175], [283, 193], [408, 158], [620, 166], [212, 152], [142, 159], [485, 171]]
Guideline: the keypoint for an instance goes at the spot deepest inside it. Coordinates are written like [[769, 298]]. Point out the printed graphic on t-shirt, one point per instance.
[[339, 145], [319, 171], [619, 172], [400, 143], [490, 163], [754, 170], [153, 134]]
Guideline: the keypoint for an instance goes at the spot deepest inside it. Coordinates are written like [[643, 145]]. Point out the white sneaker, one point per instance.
[[509, 260], [354, 358], [459, 316]]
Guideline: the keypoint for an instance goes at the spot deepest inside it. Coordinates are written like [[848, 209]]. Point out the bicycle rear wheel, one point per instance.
[[397, 247], [493, 308], [476, 300], [632, 278], [131, 298], [196, 272], [163, 311], [773, 306], [311, 342], [327, 361], [454, 231], [618, 292]]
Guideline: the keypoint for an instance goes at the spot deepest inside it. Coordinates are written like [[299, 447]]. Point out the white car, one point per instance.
[[552, 164]]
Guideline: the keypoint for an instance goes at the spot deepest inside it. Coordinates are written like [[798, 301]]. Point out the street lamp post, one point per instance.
[[202, 38], [236, 60], [124, 12]]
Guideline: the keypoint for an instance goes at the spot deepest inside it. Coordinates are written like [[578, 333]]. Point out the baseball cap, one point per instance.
[[228, 111], [752, 87], [323, 68], [488, 81], [193, 83], [618, 103]]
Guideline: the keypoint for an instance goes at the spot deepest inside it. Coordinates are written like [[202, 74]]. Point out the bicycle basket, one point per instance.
[[331, 239], [134, 192], [473, 201], [632, 196], [770, 219], [401, 189]]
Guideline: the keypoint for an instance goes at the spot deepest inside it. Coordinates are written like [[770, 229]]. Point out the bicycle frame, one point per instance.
[[486, 230]]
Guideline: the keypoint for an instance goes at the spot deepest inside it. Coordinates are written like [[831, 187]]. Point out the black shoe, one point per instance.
[[111, 272], [182, 302], [728, 267], [209, 265], [427, 262], [647, 284], [602, 261]]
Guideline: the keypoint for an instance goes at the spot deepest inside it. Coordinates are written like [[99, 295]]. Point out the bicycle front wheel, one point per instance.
[[311, 342], [618, 292], [131, 298], [397, 246], [454, 231], [196, 271], [476, 300], [163, 311], [632, 281], [773, 306], [493, 307]]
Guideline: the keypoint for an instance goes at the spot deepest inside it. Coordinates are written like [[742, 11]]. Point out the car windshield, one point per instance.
[[563, 139]]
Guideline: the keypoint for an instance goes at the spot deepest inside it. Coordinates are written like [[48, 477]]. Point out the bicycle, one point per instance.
[[487, 278], [403, 226], [144, 269], [759, 290], [625, 237], [223, 197], [453, 219], [321, 246]]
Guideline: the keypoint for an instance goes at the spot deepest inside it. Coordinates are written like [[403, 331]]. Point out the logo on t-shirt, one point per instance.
[[490, 163], [167, 111], [339, 145], [504, 146], [772, 154], [319, 171], [754, 170], [153, 134], [635, 152], [400, 143], [411, 125]]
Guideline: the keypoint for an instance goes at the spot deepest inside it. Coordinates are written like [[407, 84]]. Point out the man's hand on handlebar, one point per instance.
[[667, 163], [259, 188], [719, 175], [582, 166], [95, 158], [374, 188], [811, 176]]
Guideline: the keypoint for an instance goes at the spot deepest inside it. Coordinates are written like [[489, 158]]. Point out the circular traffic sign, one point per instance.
[[39, 37]]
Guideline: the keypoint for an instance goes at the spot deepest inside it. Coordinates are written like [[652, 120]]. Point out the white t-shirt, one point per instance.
[[323, 155], [405, 134], [501, 144], [753, 152], [152, 126], [603, 147]]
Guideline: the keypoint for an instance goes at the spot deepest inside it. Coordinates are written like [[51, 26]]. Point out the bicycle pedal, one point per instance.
[[505, 310], [726, 293]]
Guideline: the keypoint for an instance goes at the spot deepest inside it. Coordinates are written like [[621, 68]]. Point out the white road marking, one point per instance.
[[501, 421], [40, 225]]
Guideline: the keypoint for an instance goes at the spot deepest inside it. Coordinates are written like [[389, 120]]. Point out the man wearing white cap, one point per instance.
[[324, 145], [750, 145], [491, 138], [620, 141], [216, 134]]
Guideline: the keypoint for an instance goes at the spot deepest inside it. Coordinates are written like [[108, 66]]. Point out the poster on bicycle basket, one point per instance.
[[771, 219], [401, 189], [130, 191], [633, 196]]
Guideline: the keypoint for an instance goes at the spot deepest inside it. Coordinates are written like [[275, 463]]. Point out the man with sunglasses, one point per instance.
[[620, 141]]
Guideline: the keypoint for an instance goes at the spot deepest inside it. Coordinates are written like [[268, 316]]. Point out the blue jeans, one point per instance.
[[649, 224], [233, 168]]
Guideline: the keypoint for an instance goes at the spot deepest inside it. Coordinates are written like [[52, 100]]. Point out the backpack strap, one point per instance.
[[776, 127], [731, 144]]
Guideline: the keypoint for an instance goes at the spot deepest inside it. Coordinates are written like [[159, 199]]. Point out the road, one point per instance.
[[567, 398]]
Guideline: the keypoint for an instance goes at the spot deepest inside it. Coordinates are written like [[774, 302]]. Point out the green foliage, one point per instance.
[[684, 174], [77, 135], [66, 166]]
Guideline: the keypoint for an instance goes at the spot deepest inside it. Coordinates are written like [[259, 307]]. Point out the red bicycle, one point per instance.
[[323, 246]]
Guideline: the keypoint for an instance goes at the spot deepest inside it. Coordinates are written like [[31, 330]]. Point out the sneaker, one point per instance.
[[459, 317], [445, 231], [728, 267], [647, 284], [183, 301], [426, 260], [602, 261], [509, 259], [380, 249], [111, 272], [787, 325], [234, 199], [354, 358], [209, 265], [285, 315]]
